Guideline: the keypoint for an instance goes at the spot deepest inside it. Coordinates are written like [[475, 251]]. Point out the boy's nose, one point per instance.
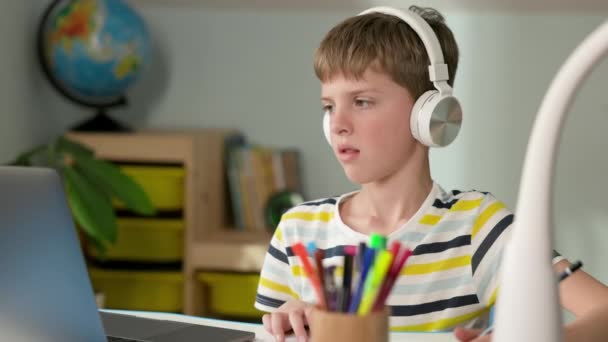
[[340, 123]]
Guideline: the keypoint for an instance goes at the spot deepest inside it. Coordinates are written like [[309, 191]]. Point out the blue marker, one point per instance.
[[311, 248], [368, 260]]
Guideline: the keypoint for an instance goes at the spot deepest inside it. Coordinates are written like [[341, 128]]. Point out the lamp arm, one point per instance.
[[528, 306]]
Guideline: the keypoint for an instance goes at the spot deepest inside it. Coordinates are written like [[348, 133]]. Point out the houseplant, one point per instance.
[[90, 184]]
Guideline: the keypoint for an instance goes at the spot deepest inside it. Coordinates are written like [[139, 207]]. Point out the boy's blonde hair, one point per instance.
[[389, 45]]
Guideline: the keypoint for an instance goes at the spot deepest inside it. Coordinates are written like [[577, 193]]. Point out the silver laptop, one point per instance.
[[45, 292]]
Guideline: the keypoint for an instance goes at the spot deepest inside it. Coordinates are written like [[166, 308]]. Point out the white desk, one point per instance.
[[262, 335]]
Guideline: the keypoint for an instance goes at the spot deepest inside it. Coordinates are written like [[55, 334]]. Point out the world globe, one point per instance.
[[92, 51]]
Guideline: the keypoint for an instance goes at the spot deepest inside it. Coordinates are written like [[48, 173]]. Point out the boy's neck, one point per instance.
[[390, 203]]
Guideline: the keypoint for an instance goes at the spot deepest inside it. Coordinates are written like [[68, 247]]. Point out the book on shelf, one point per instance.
[[255, 173]]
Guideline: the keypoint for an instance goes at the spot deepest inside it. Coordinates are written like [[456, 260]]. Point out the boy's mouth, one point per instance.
[[347, 153], [348, 150]]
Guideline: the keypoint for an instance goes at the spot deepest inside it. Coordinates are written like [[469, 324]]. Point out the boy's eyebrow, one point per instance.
[[354, 92]]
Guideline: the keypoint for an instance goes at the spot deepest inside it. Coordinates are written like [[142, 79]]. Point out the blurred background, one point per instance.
[[247, 66]]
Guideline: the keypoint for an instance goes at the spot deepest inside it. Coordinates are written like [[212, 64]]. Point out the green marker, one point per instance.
[[374, 280], [377, 241]]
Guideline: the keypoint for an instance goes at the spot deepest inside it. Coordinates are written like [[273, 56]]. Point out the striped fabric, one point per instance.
[[457, 239]]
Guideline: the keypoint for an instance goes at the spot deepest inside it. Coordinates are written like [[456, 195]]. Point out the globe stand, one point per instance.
[[101, 122]]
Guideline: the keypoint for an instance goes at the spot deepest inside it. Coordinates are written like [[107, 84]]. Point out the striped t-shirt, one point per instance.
[[450, 280]]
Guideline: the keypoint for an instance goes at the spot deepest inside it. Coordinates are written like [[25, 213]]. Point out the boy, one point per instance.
[[372, 68]]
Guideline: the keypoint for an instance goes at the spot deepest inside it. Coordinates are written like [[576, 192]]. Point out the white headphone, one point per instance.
[[436, 116]]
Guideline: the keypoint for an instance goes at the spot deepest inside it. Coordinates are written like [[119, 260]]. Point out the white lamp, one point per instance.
[[528, 307]]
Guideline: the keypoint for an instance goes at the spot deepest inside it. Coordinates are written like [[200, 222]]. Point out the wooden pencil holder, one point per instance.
[[329, 326]]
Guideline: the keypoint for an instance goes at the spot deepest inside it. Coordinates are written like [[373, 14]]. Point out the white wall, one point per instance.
[[252, 70], [22, 120]]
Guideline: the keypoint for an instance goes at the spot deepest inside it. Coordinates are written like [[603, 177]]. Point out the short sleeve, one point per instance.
[[488, 239], [276, 285]]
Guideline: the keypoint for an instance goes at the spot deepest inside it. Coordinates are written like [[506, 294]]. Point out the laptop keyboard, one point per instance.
[[121, 339]]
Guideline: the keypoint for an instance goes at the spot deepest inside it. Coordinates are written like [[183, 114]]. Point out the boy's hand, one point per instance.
[[465, 335], [293, 315]]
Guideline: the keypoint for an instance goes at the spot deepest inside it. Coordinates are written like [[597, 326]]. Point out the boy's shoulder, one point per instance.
[[319, 211], [319, 205], [472, 197]]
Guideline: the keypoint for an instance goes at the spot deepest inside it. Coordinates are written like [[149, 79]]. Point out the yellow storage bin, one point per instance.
[[163, 184], [139, 290], [146, 239], [230, 294]]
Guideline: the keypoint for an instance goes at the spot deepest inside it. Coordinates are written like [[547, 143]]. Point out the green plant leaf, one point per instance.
[[68, 146], [21, 161], [24, 159], [109, 177], [91, 208]]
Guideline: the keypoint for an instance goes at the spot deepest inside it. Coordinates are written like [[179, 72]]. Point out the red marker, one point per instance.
[[300, 251], [391, 278]]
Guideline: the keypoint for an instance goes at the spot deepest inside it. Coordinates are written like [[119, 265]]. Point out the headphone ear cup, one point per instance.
[[438, 119], [326, 128], [417, 120]]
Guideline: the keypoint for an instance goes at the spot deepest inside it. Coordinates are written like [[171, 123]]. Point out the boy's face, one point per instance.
[[370, 125]]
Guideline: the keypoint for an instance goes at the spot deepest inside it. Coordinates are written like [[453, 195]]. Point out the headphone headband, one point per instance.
[[438, 70]]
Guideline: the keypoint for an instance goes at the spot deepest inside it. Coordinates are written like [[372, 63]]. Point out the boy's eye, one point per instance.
[[328, 109], [363, 103]]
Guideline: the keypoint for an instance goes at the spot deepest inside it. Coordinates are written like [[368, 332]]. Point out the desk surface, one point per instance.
[[262, 335]]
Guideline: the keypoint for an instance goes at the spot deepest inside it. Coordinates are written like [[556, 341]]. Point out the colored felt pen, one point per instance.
[[368, 261], [358, 265], [392, 277], [330, 288], [311, 247], [347, 274], [374, 281], [395, 249], [319, 254], [360, 256], [377, 241], [300, 251]]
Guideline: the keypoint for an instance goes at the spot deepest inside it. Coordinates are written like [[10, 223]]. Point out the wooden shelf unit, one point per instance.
[[209, 242]]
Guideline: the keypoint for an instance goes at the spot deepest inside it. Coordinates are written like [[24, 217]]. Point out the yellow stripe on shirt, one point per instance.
[[297, 271], [485, 216], [437, 266], [278, 235], [278, 287], [464, 205], [430, 219], [300, 215], [441, 324]]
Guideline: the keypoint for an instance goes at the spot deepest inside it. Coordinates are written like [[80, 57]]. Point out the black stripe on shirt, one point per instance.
[[327, 253], [444, 205], [324, 201], [275, 303], [439, 305], [277, 254], [489, 241], [436, 247]]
